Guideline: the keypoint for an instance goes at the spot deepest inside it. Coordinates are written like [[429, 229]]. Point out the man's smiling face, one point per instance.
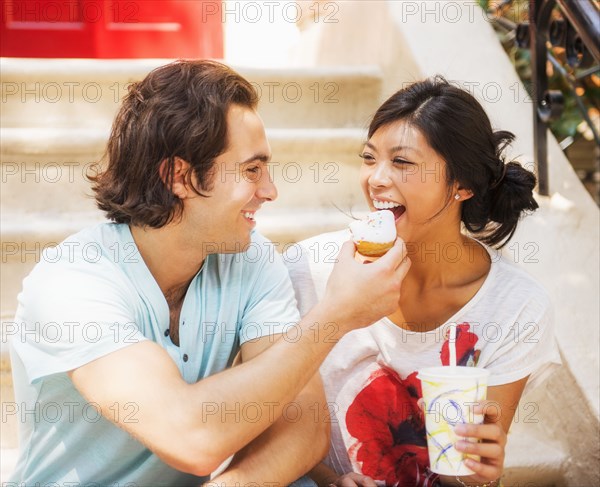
[[241, 183]]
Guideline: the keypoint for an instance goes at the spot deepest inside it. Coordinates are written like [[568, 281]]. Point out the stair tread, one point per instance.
[[60, 140], [544, 468], [520, 448], [100, 69], [87, 92], [17, 133]]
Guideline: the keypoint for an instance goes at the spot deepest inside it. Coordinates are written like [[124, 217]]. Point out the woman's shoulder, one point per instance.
[[509, 272], [310, 262], [315, 252], [329, 240], [513, 285]]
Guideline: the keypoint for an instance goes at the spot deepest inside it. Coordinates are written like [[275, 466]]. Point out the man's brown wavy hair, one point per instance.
[[178, 110]]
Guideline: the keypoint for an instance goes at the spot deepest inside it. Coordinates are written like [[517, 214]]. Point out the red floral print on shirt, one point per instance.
[[389, 426], [465, 347], [390, 431]]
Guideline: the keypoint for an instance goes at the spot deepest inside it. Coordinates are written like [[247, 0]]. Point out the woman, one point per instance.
[[434, 160]]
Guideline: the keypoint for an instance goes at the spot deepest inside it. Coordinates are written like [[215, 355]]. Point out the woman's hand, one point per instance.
[[490, 447], [354, 480]]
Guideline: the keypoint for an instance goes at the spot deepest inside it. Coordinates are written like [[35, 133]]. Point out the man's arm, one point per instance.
[[188, 425], [290, 447], [185, 424]]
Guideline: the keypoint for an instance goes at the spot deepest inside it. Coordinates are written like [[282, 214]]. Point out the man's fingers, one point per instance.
[[396, 254], [347, 251], [404, 267]]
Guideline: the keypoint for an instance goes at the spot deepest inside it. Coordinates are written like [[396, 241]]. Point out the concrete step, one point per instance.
[[532, 458], [24, 237], [87, 92], [44, 169]]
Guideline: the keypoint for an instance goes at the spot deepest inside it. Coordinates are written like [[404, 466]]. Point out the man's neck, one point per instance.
[[172, 263]]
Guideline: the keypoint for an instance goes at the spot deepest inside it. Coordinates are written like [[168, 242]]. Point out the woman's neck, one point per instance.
[[443, 277], [452, 261]]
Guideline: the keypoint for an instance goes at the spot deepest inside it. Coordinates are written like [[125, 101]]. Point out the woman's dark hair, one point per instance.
[[178, 110], [458, 129]]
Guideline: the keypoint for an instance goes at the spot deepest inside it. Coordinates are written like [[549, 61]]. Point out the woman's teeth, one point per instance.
[[249, 215], [396, 208], [385, 205]]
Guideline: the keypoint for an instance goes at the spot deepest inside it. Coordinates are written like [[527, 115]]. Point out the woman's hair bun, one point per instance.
[[510, 198]]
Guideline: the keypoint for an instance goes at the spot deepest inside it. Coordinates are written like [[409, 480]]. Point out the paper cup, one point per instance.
[[450, 393]]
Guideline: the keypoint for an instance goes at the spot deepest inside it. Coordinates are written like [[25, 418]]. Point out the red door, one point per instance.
[[111, 29]]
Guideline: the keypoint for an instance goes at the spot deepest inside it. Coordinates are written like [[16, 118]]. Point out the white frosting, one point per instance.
[[379, 227]]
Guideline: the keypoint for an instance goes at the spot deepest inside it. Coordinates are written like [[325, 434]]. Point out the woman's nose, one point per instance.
[[380, 176]]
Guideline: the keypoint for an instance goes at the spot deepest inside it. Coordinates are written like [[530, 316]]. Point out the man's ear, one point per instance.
[[174, 176]]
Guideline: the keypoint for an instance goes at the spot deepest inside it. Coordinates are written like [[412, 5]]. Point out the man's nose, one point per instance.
[[266, 189]]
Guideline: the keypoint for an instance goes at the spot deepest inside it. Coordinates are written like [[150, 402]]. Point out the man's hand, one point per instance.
[[362, 294]]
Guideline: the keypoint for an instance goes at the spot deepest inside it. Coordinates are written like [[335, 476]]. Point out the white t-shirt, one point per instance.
[[370, 375]]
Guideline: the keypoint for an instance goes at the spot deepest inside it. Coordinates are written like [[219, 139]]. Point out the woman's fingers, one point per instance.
[[368, 482], [345, 482], [492, 432], [354, 480], [490, 448], [489, 451], [491, 410], [485, 471]]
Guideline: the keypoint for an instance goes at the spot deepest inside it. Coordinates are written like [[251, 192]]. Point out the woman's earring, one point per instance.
[[457, 197]]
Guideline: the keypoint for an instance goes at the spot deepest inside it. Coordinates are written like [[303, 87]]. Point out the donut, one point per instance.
[[374, 235]]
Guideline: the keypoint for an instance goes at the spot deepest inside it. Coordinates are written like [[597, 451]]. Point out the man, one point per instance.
[[146, 324]]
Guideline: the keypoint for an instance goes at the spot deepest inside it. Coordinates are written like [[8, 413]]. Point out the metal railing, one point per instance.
[[578, 32]]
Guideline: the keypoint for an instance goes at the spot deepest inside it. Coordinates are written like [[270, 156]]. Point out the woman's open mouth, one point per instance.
[[396, 208]]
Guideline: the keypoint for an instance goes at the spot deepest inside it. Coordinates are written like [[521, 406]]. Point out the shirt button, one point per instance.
[[185, 357], [167, 332]]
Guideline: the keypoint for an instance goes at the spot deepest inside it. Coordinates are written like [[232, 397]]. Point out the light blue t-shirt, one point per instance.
[[93, 295]]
